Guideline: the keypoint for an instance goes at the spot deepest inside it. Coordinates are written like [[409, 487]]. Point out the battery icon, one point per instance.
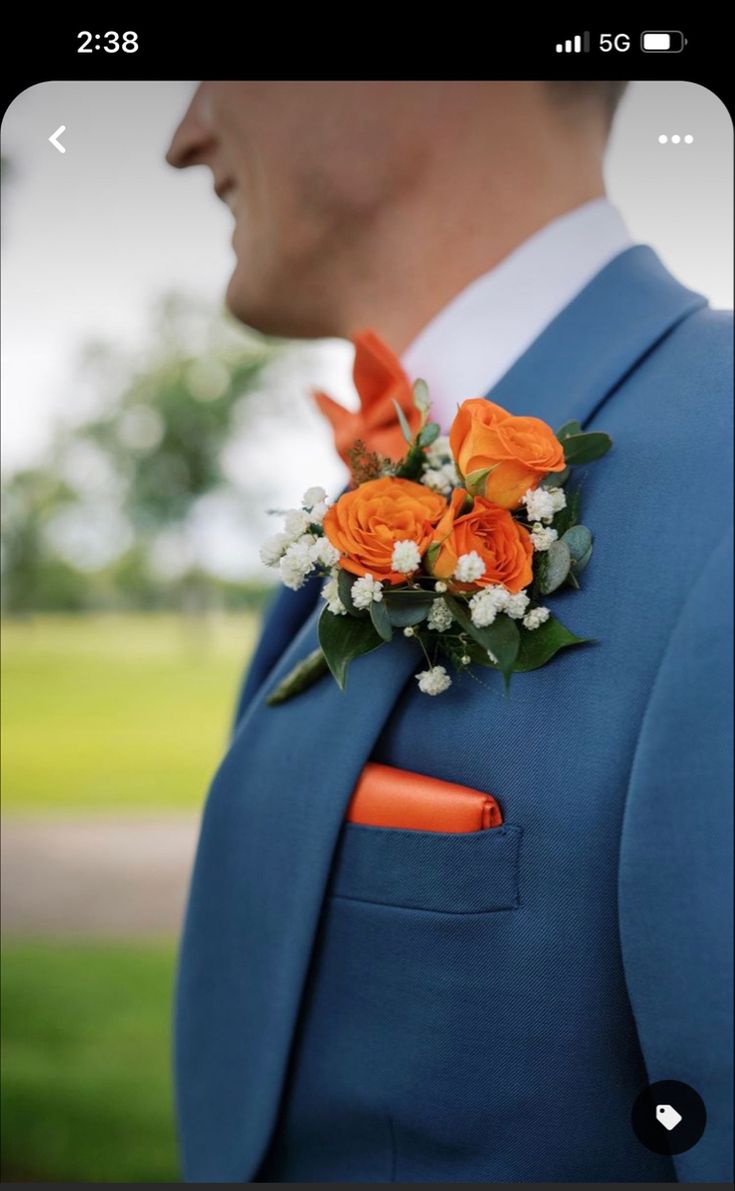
[[662, 41]]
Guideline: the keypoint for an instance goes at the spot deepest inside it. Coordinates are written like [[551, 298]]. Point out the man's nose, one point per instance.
[[193, 137]]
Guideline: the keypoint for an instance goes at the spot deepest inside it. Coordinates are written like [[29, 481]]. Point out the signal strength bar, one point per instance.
[[579, 44]]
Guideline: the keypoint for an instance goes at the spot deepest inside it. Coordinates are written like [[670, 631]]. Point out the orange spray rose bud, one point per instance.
[[518, 451]]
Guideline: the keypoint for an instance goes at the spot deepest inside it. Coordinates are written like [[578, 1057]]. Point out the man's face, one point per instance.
[[309, 170]]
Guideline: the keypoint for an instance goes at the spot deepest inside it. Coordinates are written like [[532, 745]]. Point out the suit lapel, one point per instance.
[[586, 351], [276, 805]]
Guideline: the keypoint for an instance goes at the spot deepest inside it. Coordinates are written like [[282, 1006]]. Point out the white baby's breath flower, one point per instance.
[[323, 553], [296, 523], [539, 504], [440, 585], [439, 618], [558, 498], [433, 681], [297, 562], [316, 515], [406, 557], [536, 617], [439, 451], [450, 471], [330, 593], [492, 657], [273, 547], [486, 604], [470, 568], [313, 496], [409, 631], [366, 591], [542, 537], [437, 479], [516, 605]]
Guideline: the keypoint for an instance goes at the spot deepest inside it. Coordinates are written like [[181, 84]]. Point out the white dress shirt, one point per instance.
[[466, 348]]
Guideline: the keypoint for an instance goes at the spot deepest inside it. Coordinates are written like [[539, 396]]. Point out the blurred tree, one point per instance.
[[122, 487], [33, 576]]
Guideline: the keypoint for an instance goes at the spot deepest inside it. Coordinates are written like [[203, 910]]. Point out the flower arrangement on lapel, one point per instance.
[[454, 545]]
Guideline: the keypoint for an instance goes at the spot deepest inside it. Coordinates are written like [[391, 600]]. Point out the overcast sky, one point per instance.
[[91, 238]]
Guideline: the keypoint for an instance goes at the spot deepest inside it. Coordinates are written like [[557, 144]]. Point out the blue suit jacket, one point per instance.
[[371, 1005]]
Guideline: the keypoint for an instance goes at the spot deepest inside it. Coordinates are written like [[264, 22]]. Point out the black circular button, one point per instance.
[[669, 1117]]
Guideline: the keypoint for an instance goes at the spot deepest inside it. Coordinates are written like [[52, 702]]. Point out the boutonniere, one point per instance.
[[456, 545]]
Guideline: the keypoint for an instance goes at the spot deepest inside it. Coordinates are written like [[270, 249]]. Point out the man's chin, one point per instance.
[[272, 318]]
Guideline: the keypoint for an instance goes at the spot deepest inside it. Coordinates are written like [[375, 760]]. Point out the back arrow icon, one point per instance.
[[54, 138]]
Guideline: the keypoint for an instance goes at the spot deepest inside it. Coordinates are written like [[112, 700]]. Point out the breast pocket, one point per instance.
[[451, 873]]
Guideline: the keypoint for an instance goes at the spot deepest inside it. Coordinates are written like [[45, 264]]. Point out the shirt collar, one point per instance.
[[473, 341]]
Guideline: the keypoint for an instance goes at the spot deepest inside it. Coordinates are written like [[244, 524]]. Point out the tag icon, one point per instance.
[[667, 1116]]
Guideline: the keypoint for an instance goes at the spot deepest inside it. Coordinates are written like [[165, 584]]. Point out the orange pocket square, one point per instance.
[[388, 797]]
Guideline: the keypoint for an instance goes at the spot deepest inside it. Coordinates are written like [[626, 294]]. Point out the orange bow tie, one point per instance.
[[379, 380]]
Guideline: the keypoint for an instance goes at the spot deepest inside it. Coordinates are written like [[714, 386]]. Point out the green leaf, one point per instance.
[[554, 567], [569, 515], [539, 645], [580, 565], [429, 434], [303, 675], [404, 424], [343, 638], [345, 579], [584, 448], [475, 481], [420, 394], [567, 429], [501, 637], [408, 609], [413, 464], [555, 479], [579, 540], [381, 619]]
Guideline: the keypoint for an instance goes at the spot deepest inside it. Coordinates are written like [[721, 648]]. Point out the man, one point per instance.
[[342, 1015]]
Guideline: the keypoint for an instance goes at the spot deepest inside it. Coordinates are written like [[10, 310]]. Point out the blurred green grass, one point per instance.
[[115, 712], [86, 1091]]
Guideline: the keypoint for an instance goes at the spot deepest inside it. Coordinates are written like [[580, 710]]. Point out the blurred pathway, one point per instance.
[[121, 875]]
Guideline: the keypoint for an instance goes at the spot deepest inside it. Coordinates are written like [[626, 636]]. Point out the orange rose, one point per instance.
[[520, 451], [366, 523], [504, 546]]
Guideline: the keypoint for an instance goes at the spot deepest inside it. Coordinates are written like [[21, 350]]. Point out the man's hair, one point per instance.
[[607, 93]]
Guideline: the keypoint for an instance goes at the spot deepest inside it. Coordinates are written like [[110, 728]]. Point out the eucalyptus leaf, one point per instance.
[[579, 541], [567, 429], [584, 448], [581, 563], [303, 675], [404, 424], [554, 567], [343, 638], [429, 434], [539, 645], [555, 479], [381, 619], [420, 394]]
